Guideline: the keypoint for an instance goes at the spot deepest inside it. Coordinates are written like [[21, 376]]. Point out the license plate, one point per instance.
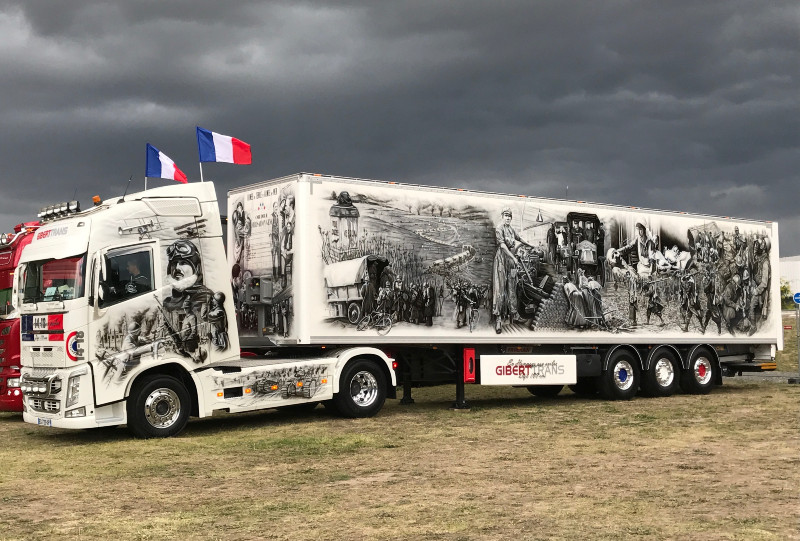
[[39, 323], [44, 422]]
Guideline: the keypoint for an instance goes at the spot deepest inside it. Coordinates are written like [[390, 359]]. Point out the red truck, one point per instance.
[[11, 245]]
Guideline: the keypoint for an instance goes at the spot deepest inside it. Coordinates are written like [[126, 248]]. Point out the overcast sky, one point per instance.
[[681, 105]]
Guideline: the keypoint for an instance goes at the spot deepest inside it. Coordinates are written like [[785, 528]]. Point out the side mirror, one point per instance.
[[103, 294]]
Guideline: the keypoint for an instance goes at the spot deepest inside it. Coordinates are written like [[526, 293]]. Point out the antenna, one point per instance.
[[122, 199]]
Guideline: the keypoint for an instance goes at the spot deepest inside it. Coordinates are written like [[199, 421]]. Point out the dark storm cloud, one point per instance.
[[684, 105]]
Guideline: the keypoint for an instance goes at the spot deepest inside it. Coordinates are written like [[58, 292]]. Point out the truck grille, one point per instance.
[[47, 406], [47, 355], [41, 372]]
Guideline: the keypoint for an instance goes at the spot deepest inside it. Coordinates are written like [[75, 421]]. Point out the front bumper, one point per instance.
[[64, 398]]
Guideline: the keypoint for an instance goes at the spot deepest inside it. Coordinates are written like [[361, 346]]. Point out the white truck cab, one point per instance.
[[127, 318]]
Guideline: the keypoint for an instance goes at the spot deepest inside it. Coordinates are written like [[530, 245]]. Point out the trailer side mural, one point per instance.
[[428, 263], [261, 258]]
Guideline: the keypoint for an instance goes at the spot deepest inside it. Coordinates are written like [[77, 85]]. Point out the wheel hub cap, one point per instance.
[[702, 370], [364, 389], [623, 372], [664, 372], [162, 408]]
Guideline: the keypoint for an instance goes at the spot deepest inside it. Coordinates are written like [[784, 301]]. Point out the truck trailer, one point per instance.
[[343, 291]]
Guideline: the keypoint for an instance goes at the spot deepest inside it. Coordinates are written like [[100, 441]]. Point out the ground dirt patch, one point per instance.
[[723, 466]]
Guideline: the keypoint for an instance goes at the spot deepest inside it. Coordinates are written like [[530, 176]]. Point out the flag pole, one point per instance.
[[201, 171], [145, 183]]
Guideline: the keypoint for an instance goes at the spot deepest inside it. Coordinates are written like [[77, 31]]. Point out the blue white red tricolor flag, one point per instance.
[[160, 166], [214, 147]]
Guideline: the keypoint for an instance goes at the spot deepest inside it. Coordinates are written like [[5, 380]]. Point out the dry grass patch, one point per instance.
[[723, 466]]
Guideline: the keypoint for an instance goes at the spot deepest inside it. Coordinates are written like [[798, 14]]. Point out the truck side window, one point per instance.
[[129, 274]]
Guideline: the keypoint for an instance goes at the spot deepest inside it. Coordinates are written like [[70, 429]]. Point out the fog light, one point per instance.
[[77, 412]]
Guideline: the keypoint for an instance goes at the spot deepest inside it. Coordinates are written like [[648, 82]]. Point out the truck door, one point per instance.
[[125, 321]]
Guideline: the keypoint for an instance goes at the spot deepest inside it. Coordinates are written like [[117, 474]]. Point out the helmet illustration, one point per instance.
[[183, 251]]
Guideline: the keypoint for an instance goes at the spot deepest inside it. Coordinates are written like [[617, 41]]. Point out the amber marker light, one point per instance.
[[248, 390], [96, 200], [324, 381], [299, 383], [220, 394]]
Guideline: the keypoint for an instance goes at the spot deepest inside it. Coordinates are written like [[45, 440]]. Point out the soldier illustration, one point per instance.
[[761, 277], [190, 301], [690, 303], [275, 242], [429, 303], [712, 287], [369, 297], [242, 227], [654, 304]]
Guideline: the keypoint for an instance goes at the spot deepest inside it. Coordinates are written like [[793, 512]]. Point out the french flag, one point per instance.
[[222, 148], [160, 166]]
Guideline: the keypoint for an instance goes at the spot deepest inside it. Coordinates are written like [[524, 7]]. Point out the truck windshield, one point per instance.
[[54, 279], [5, 302]]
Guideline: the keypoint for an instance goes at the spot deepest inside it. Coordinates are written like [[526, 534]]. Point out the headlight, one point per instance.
[[12, 382], [73, 390]]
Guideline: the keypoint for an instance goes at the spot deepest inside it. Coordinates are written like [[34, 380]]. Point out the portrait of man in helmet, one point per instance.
[[191, 302]]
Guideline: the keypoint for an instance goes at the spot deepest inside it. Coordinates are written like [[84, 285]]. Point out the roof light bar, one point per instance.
[[51, 212]]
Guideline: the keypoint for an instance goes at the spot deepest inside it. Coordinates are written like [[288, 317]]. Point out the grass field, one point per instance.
[[723, 466], [787, 359]]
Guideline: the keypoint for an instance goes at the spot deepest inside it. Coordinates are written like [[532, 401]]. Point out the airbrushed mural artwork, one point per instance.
[[147, 316], [427, 262], [261, 257]]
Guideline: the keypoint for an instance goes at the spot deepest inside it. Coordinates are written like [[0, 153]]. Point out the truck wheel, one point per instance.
[[353, 313], [661, 379], [585, 387], [362, 390], [620, 381], [545, 391], [699, 378], [158, 407]]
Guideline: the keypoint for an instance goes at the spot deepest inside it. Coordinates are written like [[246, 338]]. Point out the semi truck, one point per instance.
[[11, 245], [346, 292]]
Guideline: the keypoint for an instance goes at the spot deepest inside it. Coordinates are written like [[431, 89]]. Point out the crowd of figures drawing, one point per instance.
[[261, 254], [184, 316], [519, 268]]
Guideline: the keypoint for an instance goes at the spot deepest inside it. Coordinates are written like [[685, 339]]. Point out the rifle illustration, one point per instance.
[[175, 335]]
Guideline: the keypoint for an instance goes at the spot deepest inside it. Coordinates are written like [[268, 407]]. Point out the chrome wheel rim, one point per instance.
[[702, 370], [364, 389], [664, 372], [162, 408], [623, 375]]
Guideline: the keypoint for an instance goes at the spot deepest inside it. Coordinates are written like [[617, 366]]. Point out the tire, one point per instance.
[[545, 391], [620, 381], [702, 373], [158, 407], [353, 313], [585, 387], [661, 379], [362, 390]]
